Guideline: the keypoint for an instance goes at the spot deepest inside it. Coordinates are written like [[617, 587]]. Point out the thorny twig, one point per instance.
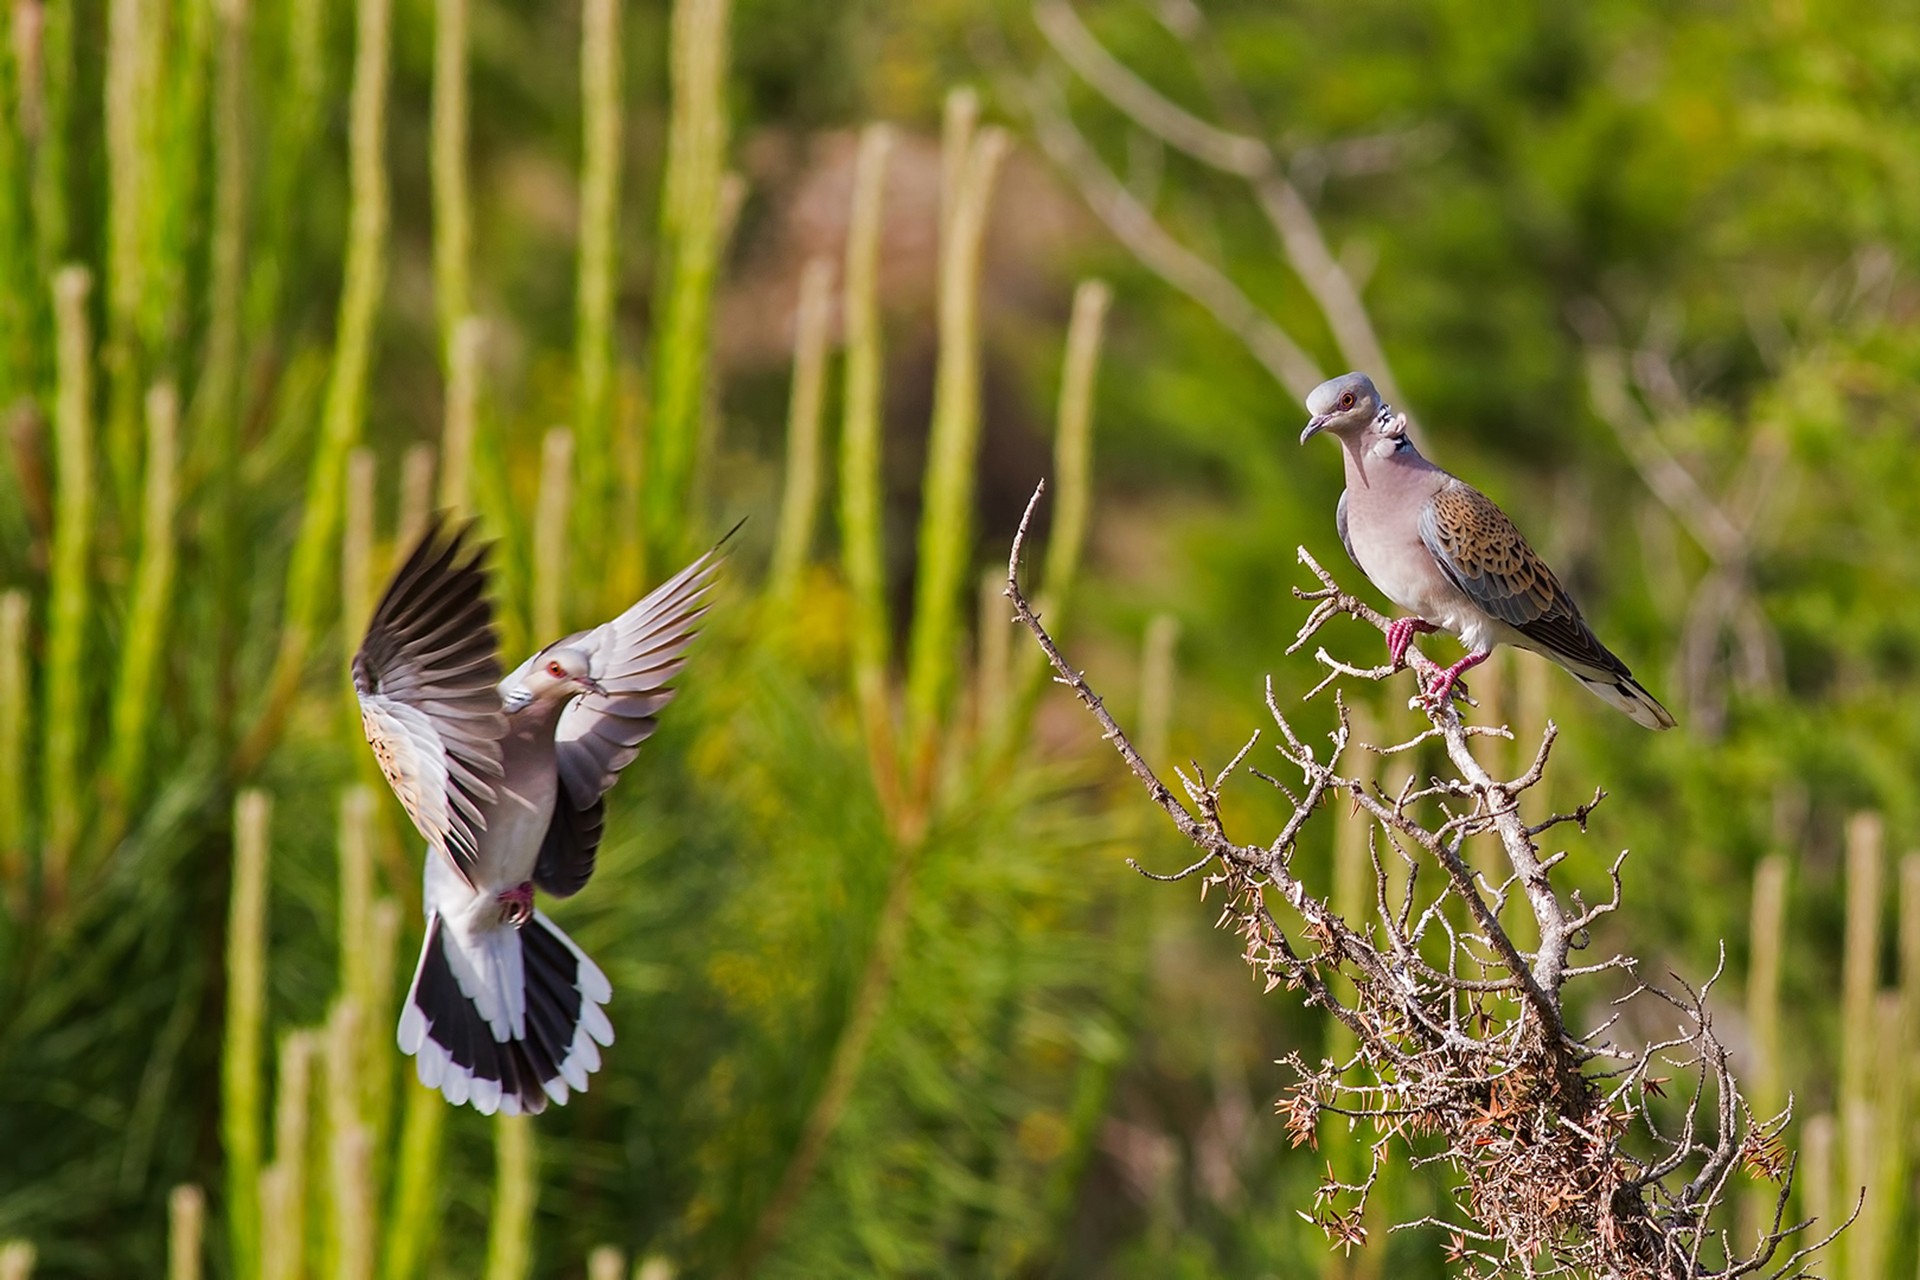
[[1561, 1161]]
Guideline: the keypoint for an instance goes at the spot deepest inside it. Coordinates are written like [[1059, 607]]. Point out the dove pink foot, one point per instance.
[[1442, 687], [1400, 634], [516, 904]]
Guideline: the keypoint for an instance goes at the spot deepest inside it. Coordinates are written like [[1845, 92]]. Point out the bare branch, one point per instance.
[[1560, 1163], [1240, 151], [1135, 226]]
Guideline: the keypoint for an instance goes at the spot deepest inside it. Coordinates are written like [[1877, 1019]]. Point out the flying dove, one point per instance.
[[505, 778], [1441, 550]]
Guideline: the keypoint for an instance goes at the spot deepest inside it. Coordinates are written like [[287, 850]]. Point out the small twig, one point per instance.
[[1458, 1035]]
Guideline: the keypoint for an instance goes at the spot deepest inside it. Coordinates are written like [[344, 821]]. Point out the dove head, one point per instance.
[[1345, 405], [556, 675]]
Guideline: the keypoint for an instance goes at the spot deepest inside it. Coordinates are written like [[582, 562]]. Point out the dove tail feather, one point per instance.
[[480, 1042], [1625, 694]]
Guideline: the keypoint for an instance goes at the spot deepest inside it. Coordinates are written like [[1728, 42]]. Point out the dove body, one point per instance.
[[1384, 470], [1441, 550], [533, 699], [505, 779]]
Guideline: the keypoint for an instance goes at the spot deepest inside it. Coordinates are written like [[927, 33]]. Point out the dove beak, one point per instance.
[[1315, 425], [591, 685]]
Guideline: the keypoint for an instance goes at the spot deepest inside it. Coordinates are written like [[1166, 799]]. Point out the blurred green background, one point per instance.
[[278, 277]]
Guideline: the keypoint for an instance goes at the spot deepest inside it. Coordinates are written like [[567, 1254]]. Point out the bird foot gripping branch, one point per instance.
[[1400, 633], [1439, 690]]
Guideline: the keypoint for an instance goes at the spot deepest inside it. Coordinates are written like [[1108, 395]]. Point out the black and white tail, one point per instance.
[[505, 1018]]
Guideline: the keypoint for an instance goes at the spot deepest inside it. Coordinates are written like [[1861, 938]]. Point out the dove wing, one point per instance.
[[1480, 550], [632, 657], [426, 676], [1340, 524]]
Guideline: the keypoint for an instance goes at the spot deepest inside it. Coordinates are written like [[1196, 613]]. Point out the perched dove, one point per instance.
[[1441, 550], [505, 779]]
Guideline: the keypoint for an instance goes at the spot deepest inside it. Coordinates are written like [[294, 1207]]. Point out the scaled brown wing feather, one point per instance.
[[426, 675], [1481, 551], [633, 657]]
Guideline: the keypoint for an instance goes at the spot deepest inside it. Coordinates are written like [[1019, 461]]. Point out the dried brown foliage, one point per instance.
[[1567, 1152]]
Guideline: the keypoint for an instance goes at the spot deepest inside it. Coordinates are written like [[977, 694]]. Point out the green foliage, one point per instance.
[[888, 1001]]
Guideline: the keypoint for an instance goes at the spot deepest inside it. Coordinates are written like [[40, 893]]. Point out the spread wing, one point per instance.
[[632, 657], [1479, 548], [426, 676]]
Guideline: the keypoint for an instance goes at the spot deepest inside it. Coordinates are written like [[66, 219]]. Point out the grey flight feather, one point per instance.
[[426, 676], [599, 734]]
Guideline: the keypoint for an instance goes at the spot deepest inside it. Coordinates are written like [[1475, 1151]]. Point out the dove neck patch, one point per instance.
[[1393, 426]]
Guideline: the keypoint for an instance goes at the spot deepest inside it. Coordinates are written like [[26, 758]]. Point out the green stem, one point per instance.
[[356, 550], [65, 795], [349, 1148], [241, 1092], [860, 494], [550, 531], [345, 406], [152, 600], [801, 496], [356, 901], [417, 467], [186, 1225], [283, 1185], [515, 1194], [416, 1186], [1157, 673], [376, 1063], [1073, 442], [15, 714], [132, 50], [946, 524], [300, 102], [16, 1259], [19, 280], [600, 88], [1072, 491], [451, 220], [1859, 1043], [690, 247], [50, 161], [217, 400], [1765, 1089], [460, 428]]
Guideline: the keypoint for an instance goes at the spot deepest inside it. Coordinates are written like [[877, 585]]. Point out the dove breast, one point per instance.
[[1387, 547]]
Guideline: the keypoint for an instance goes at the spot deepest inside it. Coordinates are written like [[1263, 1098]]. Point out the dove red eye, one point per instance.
[[1346, 401], [555, 669]]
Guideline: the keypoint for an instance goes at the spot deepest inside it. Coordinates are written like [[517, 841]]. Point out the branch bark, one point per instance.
[[1462, 1036]]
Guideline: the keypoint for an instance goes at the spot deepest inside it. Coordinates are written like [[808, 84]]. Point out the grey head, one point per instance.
[[558, 673], [1345, 405]]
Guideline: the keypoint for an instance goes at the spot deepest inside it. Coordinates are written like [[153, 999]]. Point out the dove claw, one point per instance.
[[1400, 633], [1438, 692], [516, 904]]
